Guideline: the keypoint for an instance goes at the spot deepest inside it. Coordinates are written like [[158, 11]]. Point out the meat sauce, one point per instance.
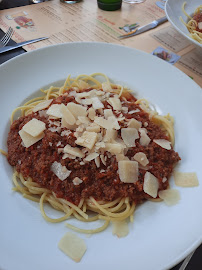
[[198, 18], [102, 183]]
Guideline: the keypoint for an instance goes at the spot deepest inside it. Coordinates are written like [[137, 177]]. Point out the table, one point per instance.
[[196, 261]]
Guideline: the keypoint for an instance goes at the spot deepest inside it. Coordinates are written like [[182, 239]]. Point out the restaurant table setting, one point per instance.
[[145, 25]]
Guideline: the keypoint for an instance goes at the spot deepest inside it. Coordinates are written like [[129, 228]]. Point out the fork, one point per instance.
[[5, 39]]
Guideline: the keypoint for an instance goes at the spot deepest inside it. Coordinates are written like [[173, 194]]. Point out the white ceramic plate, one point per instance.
[[161, 236], [173, 11]]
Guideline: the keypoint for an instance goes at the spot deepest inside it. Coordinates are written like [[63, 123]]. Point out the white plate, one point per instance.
[[173, 11], [161, 236]]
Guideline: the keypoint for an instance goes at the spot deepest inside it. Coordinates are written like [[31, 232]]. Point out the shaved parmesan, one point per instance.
[[106, 87], [121, 157], [102, 158], [77, 181], [97, 104], [163, 143], [115, 103], [42, 105], [60, 171], [170, 196], [42, 114], [128, 171], [134, 111], [141, 158], [91, 113], [129, 135], [91, 156], [93, 128], [29, 140], [97, 162], [144, 138], [82, 84], [86, 101], [87, 139], [133, 123], [54, 110], [76, 109], [125, 109], [114, 148], [65, 124], [200, 25], [72, 246], [120, 228], [151, 184], [114, 122], [110, 135], [103, 122], [67, 115], [34, 127], [110, 123], [186, 179], [108, 113], [73, 151]]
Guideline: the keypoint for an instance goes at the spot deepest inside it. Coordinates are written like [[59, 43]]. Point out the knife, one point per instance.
[[144, 28], [18, 45]]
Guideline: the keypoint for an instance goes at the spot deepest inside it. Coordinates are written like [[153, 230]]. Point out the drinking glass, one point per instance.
[[70, 1], [134, 1]]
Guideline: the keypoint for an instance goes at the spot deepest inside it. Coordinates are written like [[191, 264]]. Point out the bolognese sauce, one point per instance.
[[98, 177]]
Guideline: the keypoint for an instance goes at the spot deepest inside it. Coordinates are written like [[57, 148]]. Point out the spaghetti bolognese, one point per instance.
[[90, 147], [194, 24]]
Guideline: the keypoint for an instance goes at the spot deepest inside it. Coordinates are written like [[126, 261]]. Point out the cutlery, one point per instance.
[[18, 45], [5, 39], [186, 261], [144, 28]]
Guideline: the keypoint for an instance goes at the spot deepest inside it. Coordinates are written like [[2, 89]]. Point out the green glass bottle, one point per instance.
[[109, 5]]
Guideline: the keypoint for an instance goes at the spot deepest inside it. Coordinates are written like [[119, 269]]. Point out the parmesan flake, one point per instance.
[[186, 179], [34, 127], [60, 171], [72, 246]]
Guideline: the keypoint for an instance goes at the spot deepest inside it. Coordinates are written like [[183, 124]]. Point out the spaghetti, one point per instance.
[[94, 188], [194, 24]]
